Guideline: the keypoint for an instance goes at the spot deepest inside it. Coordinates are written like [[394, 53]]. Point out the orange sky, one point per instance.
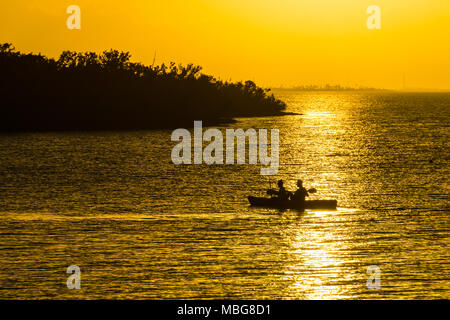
[[274, 42]]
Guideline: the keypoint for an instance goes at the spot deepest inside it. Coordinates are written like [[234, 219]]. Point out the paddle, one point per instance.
[[312, 190]]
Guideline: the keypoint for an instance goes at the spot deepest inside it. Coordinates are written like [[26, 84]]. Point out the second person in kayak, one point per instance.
[[301, 193], [282, 193]]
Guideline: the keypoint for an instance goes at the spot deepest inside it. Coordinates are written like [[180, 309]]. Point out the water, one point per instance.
[[142, 228]]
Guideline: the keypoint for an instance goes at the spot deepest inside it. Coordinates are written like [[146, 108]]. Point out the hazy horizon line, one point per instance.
[[354, 88]]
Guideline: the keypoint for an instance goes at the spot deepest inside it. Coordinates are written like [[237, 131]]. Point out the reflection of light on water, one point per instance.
[[321, 213], [319, 267], [319, 264], [316, 115], [339, 211]]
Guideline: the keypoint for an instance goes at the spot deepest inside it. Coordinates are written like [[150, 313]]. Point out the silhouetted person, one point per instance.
[[301, 193], [282, 193]]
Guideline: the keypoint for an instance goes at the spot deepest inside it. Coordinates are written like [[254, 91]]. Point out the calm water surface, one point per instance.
[[141, 227]]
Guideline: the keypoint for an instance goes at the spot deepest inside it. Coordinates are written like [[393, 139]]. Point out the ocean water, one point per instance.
[[140, 227]]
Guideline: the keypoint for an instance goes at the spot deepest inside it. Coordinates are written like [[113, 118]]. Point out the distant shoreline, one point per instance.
[[299, 89], [329, 88]]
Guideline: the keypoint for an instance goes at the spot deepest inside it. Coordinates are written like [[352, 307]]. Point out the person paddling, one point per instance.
[[282, 193], [301, 193]]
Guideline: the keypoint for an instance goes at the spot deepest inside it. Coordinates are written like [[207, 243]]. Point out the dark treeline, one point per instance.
[[89, 91]]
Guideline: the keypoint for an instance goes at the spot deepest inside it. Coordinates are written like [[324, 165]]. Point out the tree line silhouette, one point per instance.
[[90, 91]]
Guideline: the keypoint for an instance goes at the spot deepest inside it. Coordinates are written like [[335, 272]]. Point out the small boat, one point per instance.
[[289, 204]]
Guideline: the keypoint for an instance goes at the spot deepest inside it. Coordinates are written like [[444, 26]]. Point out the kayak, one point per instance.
[[289, 204]]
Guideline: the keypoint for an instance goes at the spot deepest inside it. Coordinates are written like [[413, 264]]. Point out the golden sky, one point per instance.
[[273, 42]]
